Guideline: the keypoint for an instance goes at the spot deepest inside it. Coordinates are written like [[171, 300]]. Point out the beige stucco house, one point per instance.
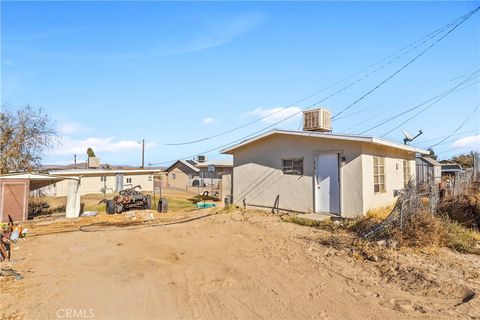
[[103, 180], [344, 175], [182, 173]]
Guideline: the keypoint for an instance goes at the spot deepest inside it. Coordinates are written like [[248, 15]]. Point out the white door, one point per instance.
[[327, 193]]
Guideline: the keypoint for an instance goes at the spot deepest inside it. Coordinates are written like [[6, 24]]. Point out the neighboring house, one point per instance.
[[220, 167], [103, 180], [182, 173], [344, 175], [428, 170]]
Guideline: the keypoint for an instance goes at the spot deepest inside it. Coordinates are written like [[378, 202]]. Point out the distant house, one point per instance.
[[429, 170], [103, 180], [190, 173], [183, 173], [338, 174]]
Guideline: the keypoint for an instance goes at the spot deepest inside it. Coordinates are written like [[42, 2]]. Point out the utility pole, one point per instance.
[[75, 160], [143, 153]]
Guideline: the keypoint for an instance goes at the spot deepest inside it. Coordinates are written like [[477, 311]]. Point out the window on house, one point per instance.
[[149, 178], [103, 178], [174, 176], [292, 166], [129, 180], [406, 172], [378, 174]]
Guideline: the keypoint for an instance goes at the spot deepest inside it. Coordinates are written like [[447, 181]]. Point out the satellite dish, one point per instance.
[[409, 137]]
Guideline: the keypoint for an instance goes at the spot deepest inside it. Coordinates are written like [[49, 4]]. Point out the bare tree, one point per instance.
[[25, 134], [465, 160]]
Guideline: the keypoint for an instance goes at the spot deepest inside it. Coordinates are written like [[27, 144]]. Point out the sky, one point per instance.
[[113, 73]]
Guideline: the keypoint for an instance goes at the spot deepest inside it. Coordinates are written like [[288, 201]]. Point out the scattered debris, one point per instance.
[[204, 205], [9, 272], [89, 214]]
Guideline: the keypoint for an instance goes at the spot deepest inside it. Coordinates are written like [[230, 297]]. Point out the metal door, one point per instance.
[[327, 192]]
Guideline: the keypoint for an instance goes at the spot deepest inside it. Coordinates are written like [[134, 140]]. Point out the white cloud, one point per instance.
[[471, 142], [106, 145], [71, 127], [212, 32], [276, 114], [222, 32], [207, 121]]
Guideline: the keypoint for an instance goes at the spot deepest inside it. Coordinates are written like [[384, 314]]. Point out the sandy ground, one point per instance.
[[228, 265]]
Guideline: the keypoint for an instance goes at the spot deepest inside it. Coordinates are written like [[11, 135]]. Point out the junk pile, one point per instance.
[[10, 233], [128, 199]]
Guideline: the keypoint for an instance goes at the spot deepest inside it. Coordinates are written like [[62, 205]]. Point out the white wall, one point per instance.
[[258, 178], [93, 184], [393, 175]]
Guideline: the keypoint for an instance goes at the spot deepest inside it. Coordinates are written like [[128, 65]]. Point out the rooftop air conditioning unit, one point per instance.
[[201, 159], [317, 120]]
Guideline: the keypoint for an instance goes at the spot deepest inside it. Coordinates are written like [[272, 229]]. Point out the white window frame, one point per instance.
[[407, 172], [379, 175], [128, 180]]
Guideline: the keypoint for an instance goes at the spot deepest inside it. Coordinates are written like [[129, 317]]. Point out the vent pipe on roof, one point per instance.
[[319, 120]]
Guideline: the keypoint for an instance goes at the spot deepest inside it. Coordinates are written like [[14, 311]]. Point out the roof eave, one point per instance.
[[373, 140]]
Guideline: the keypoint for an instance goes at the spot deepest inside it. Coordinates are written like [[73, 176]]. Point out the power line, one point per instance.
[[444, 142], [430, 105], [382, 122], [398, 97], [441, 137], [406, 65], [459, 127], [435, 99], [396, 72], [463, 19], [422, 40]]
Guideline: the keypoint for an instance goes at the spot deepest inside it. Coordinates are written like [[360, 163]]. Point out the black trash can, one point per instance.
[[228, 200], [162, 205]]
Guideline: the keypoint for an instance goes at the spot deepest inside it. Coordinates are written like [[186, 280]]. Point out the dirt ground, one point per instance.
[[215, 265]]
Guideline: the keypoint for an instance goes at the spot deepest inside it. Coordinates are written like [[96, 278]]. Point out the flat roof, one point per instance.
[[217, 163], [345, 137], [79, 172], [37, 180]]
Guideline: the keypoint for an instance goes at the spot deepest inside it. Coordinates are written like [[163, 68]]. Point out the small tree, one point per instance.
[[90, 153], [25, 135], [432, 154]]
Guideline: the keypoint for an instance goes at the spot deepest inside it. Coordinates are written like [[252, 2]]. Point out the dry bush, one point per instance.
[[460, 238], [379, 213], [464, 208], [419, 230], [38, 207]]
